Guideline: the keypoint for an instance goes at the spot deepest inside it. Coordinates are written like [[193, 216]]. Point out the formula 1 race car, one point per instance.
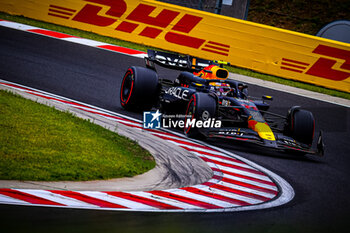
[[203, 91]]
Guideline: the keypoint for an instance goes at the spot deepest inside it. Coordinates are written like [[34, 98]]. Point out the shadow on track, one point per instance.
[[262, 151]]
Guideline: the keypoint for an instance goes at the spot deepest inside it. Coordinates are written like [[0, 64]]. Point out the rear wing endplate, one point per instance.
[[176, 61]]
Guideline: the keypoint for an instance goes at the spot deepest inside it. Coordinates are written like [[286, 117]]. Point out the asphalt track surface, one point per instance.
[[93, 76]]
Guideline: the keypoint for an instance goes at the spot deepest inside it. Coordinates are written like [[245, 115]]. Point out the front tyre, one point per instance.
[[201, 106], [139, 89], [301, 125]]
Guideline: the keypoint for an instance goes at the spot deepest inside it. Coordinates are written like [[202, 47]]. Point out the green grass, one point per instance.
[[110, 40], [40, 143]]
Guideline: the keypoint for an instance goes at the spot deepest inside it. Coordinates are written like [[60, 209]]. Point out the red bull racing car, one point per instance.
[[203, 91]]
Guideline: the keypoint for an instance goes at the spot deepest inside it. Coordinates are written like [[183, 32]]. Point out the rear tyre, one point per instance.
[[139, 89], [200, 107], [301, 125]]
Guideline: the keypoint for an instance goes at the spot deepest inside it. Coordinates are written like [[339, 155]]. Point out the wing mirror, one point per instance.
[[242, 86], [267, 97]]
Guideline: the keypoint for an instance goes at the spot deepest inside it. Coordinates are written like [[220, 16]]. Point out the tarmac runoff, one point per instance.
[[175, 166]]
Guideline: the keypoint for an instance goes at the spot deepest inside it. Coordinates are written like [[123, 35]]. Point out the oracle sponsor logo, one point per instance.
[[143, 18], [324, 66]]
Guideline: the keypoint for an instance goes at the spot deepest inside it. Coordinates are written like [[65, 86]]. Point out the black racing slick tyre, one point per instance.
[[301, 125], [139, 89], [201, 106]]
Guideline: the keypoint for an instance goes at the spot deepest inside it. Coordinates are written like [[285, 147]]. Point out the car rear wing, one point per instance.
[[178, 62]]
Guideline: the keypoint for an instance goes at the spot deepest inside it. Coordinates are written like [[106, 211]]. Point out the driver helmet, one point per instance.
[[221, 88]]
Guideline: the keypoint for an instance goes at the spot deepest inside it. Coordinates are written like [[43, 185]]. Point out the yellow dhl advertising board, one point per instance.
[[258, 47]]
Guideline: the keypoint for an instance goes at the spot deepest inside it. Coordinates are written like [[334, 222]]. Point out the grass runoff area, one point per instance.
[[238, 70], [40, 143]]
